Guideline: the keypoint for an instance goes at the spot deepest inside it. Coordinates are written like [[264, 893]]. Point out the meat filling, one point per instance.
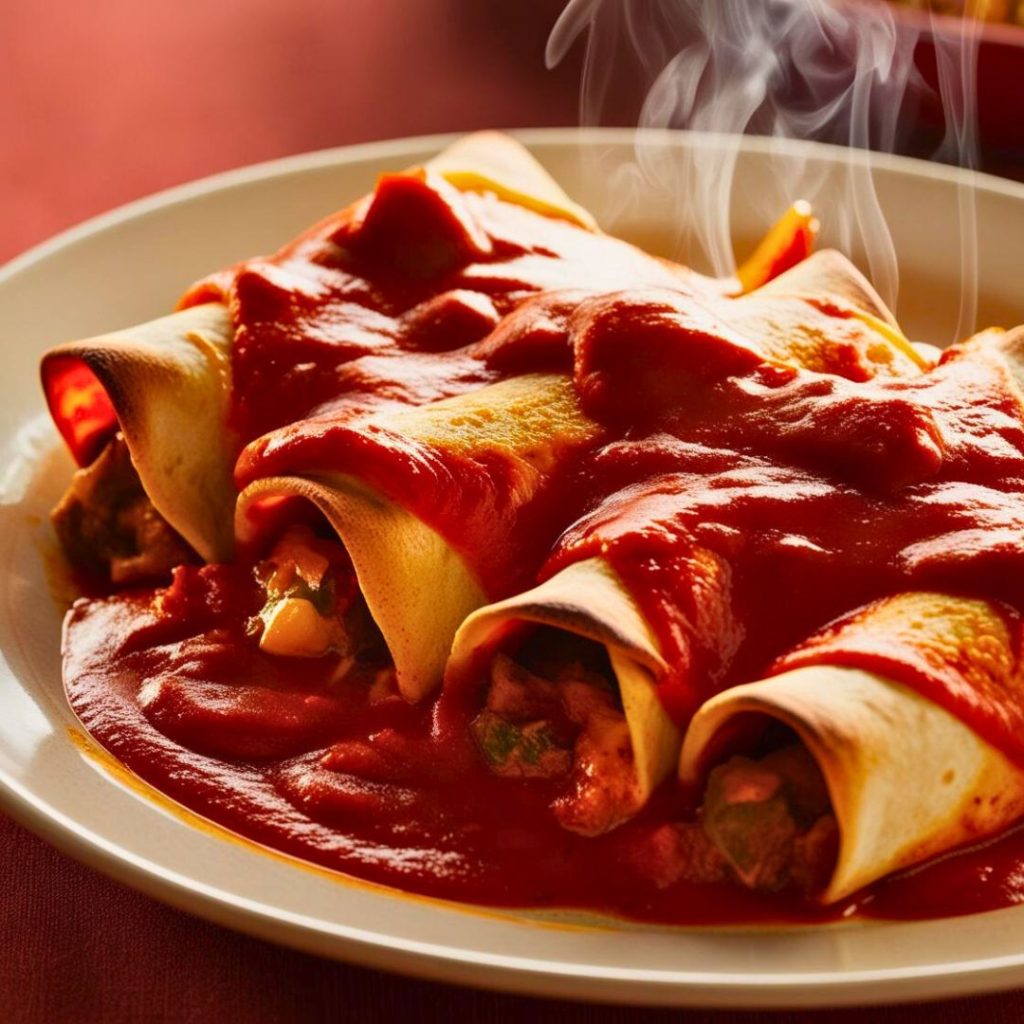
[[772, 820], [568, 725], [765, 823], [108, 526]]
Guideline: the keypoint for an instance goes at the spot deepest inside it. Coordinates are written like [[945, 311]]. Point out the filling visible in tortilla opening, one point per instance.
[[554, 712], [109, 528], [313, 607], [765, 822], [771, 820]]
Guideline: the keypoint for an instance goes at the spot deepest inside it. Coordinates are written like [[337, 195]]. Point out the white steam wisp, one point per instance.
[[829, 70]]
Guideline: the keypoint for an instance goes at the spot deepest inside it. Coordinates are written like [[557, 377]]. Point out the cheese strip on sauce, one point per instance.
[[494, 162], [907, 779]]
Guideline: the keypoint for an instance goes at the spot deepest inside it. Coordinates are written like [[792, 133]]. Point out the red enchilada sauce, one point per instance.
[[744, 502]]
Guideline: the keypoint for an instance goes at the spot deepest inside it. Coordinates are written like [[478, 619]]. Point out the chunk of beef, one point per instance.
[[771, 819], [679, 851], [603, 790]]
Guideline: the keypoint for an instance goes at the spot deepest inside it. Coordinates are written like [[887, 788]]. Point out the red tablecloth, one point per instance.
[[107, 101]]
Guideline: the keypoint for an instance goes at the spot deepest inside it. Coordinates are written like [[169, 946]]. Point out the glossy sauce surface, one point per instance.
[[398, 794], [745, 501]]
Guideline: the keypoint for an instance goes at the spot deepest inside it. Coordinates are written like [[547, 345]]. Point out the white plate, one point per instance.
[[131, 265]]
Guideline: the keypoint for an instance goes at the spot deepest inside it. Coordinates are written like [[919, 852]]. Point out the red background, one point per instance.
[[107, 101]]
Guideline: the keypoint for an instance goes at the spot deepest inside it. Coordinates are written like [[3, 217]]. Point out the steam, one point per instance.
[[829, 70]]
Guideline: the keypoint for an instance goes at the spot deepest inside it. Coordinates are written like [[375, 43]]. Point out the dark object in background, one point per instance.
[[1000, 64], [864, 73]]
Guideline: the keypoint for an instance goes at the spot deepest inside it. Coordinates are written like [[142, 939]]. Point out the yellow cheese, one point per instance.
[[294, 628]]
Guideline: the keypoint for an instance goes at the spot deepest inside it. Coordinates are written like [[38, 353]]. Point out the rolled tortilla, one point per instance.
[[419, 584], [829, 274], [588, 600], [416, 586], [908, 778], [167, 384]]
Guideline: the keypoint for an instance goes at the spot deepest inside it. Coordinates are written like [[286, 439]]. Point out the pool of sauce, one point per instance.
[[279, 752]]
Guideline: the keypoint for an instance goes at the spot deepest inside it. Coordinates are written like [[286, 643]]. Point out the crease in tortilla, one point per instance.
[[416, 587], [494, 162], [907, 779], [168, 385], [589, 600]]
